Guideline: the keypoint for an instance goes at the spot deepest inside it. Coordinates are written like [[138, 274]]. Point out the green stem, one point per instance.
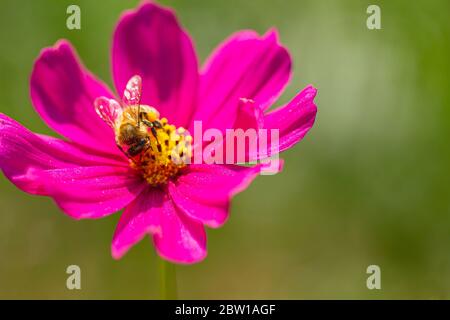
[[168, 280]]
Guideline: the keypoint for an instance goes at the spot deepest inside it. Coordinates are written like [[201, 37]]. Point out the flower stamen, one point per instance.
[[166, 153]]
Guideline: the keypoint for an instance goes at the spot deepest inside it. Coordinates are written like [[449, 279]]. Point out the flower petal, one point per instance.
[[91, 192], [293, 120], [141, 217], [63, 93], [21, 150], [244, 66], [204, 192], [241, 145], [249, 115], [85, 184], [176, 237], [181, 240], [150, 43], [211, 214]]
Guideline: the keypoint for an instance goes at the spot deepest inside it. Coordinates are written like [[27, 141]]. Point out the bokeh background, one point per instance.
[[368, 185]]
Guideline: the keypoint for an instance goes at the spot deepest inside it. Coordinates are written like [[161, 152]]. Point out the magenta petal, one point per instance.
[[63, 93], [211, 185], [91, 192], [211, 214], [150, 43], [181, 240], [22, 150], [141, 217], [176, 237], [293, 120], [249, 115], [244, 66], [84, 184]]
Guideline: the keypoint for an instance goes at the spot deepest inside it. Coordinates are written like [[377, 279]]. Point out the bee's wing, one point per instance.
[[133, 91], [109, 110], [132, 96]]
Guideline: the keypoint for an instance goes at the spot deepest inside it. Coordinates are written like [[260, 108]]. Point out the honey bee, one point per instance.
[[134, 125]]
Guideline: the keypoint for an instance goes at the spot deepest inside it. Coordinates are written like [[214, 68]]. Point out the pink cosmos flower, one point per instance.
[[89, 177]]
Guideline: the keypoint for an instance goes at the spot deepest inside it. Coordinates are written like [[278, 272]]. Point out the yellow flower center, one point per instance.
[[167, 150]]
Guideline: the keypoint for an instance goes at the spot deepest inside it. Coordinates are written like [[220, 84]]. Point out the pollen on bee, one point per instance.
[[152, 114]]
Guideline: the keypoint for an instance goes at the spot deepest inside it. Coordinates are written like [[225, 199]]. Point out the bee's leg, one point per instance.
[[152, 126], [157, 124], [147, 123], [153, 130], [137, 148], [145, 147], [126, 153], [140, 148], [121, 149], [158, 145]]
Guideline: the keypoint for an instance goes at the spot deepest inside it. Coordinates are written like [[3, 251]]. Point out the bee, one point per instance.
[[134, 125]]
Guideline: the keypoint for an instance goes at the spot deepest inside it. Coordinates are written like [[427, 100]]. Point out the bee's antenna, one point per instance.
[[139, 96], [139, 103], [139, 113]]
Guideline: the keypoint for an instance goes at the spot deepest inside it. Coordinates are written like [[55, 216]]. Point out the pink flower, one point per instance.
[[89, 177]]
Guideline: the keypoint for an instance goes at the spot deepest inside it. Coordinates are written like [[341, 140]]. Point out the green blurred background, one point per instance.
[[368, 185]]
